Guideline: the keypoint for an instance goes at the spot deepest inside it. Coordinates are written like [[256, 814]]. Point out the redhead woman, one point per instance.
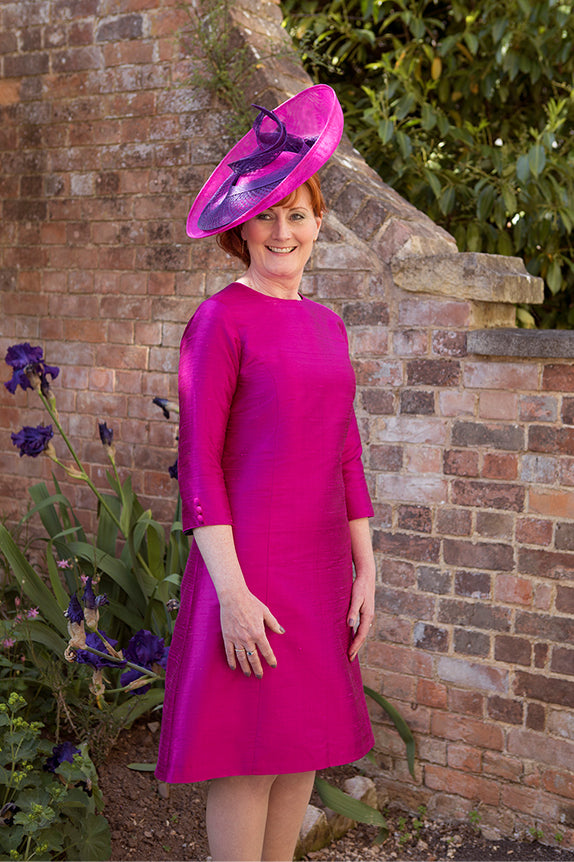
[[263, 687]]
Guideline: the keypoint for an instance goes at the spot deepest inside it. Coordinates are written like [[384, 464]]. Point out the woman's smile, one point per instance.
[[280, 241]]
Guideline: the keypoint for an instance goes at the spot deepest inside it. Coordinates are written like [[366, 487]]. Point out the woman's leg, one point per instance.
[[252, 817], [288, 801], [236, 816]]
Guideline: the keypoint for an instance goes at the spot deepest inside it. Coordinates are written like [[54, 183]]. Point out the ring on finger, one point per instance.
[[240, 649], [252, 652]]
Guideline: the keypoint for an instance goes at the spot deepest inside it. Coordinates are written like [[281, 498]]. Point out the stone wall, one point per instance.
[[468, 425]]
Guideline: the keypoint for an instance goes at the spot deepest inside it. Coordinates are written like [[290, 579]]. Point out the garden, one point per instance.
[[86, 620]]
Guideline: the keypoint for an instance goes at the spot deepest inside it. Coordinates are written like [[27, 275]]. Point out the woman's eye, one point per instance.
[[298, 216]]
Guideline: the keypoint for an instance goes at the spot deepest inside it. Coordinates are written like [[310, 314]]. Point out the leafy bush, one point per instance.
[[50, 796], [134, 566], [467, 110]]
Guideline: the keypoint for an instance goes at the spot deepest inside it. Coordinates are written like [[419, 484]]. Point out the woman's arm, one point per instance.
[[362, 607], [243, 616]]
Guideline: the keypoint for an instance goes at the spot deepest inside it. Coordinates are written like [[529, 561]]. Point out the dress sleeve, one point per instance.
[[208, 369], [356, 493]]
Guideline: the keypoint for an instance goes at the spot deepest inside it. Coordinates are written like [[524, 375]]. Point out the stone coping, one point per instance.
[[552, 343]]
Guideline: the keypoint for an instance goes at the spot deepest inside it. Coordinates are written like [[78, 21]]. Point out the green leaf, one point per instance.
[[386, 129], [536, 159], [114, 568], [45, 507], [137, 705], [400, 724], [523, 168], [60, 593], [344, 804], [142, 767], [40, 633], [94, 840], [554, 276], [31, 584]]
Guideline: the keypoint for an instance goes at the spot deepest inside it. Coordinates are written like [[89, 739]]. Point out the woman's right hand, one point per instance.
[[243, 622]]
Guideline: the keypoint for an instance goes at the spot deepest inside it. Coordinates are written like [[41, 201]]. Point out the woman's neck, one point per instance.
[[278, 288]]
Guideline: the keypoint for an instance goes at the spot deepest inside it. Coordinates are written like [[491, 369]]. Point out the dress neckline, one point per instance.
[[300, 299]]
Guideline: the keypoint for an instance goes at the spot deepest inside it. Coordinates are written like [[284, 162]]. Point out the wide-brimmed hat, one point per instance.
[[283, 149]]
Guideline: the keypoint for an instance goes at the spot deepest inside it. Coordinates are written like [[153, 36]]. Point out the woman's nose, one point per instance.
[[281, 227]]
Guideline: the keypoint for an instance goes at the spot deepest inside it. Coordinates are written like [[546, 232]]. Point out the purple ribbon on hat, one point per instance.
[[230, 200]]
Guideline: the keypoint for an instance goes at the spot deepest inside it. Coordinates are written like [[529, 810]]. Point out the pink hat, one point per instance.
[[283, 149]]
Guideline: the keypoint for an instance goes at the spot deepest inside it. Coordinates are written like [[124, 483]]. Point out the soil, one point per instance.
[[147, 825]]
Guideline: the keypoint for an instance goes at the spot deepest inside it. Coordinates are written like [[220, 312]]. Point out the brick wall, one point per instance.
[[469, 440]]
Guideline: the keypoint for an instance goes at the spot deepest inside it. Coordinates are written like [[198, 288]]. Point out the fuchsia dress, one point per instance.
[[269, 444]]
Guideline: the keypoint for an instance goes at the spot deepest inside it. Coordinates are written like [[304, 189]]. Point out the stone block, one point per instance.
[[315, 832], [468, 275]]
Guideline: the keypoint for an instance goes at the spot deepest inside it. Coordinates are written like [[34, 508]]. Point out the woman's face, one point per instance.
[[280, 239]]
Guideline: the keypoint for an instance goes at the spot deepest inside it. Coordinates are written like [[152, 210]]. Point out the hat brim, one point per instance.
[[314, 113]]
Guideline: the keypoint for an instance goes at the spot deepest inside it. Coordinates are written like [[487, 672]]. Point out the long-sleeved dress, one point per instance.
[[269, 444]]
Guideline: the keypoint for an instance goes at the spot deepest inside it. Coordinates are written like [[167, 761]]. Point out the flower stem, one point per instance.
[[123, 662], [51, 408]]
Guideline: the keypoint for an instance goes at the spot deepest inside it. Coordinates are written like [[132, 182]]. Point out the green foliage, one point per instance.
[[131, 560], [223, 64], [45, 814], [467, 110]]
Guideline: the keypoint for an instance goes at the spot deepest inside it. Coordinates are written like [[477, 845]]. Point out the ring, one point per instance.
[[250, 653], [240, 649]]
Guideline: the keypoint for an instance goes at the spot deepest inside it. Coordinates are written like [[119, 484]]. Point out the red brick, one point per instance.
[[498, 465], [456, 402], [410, 342], [410, 661], [512, 650], [464, 757], [559, 783], [565, 599], [495, 495], [479, 555], [532, 561], [540, 747], [494, 525], [513, 590], [433, 372], [469, 787], [498, 405], [503, 376], [407, 546], [431, 694], [468, 730], [465, 702], [558, 377], [533, 531], [422, 312], [461, 462], [552, 502], [501, 765], [548, 690], [453, 522]]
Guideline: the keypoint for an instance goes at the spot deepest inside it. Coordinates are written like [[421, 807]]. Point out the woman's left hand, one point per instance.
[[361, 611]]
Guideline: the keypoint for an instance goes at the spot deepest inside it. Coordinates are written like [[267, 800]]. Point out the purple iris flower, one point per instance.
[[60, 753], [173, 470], [93, 640], [145, 649], [24, 360], [74, 613], [106, 434], [33, 441], [92, 601]]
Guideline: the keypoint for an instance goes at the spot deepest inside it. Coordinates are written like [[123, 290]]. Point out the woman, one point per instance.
[[262, 688]]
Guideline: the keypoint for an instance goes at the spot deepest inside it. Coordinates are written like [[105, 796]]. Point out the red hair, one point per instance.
[[231, 241]]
